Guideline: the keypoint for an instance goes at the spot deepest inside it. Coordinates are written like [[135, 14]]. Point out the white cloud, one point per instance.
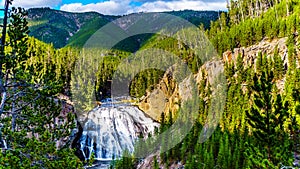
[[113, 7], [35, 3], [120, 7], [159, 6], [177, 0]]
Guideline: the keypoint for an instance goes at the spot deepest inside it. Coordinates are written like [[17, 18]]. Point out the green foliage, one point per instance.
[[31, 129], [178, 48], [73, 29], [257, 120], [278, 66], [246, 28], [267, 116], [145, 81], [106, 69], [126, 162], [197, 17], [57, 27], [49, 66]]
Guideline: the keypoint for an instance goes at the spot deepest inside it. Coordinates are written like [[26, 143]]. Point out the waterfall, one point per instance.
[[111, 129]]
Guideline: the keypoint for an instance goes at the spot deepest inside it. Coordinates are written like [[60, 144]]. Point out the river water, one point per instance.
[[112, 128]]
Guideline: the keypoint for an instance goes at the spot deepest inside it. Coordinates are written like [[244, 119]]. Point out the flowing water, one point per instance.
[[113, 128]]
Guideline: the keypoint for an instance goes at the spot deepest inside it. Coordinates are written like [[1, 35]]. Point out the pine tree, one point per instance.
[[278, 65], [156, 165], [126, 162], [29, 119], [267, 115]]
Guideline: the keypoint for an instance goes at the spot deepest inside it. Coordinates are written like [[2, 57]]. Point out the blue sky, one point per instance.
[[121, 7]]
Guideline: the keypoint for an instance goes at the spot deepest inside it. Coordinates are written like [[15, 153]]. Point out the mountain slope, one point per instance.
[[54, 26], [73, 29], [262, 111]]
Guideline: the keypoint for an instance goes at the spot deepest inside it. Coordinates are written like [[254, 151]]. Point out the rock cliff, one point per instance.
[[168, 94]]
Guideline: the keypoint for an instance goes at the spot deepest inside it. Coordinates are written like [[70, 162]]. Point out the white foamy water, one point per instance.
[[109, 130]]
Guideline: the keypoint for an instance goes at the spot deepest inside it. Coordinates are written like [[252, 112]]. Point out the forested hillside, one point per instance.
[[260, 124], [73, 29], [37, 117], [241, 28], [59, 27], [36, 125]]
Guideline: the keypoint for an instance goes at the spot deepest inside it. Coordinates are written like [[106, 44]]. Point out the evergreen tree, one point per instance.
[[267, 116], [126, 162], [278, 65], [156, 165], [29, 116]]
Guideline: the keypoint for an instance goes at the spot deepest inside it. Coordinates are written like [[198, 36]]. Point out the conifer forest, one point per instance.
[[44, 125]]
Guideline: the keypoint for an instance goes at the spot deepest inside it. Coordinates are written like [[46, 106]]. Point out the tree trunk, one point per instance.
[[287, 7], [296, 138], [3, 96], [241, 10], [13, 110], [2, 55], [276, 15]]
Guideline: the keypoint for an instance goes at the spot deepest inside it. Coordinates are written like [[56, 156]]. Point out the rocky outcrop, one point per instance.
[[168, 95], [148, 162], [249, 54], [165, 98]]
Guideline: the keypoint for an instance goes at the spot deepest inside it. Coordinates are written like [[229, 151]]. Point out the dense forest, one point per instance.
[[35, 127], [74, 29], [260, 123], [259, 127]]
